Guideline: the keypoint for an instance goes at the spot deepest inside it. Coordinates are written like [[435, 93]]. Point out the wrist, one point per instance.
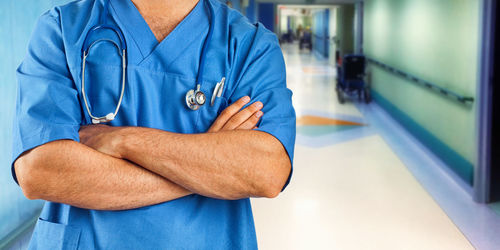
[[119, 139]]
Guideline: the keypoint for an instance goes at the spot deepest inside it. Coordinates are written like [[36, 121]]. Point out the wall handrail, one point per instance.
[[443, 91]]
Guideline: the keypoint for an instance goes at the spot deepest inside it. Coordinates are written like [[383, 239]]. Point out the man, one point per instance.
[[158, 176]]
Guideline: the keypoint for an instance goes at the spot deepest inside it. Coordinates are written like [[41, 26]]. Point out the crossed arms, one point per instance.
[[116, 168]]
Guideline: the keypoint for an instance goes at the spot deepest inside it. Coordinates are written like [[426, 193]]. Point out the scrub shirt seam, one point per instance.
[[69, 77], [246, 38], [216, 11], [136, 44], [254, 61], [163, 43], [45, 138], [156, 72], [196, 121], [204, 82]]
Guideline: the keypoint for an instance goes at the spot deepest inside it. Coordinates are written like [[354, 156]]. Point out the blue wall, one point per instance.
[[321, 31], [251, 11], [236, 4], [17, 19], [266, 15]]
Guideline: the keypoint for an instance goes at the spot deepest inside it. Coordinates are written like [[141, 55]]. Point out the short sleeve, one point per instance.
[[47, 107], [263, 78]]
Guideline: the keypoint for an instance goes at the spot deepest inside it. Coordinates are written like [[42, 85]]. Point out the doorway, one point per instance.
[[495, 119]]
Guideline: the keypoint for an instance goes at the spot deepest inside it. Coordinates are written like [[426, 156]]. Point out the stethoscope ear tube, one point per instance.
[[111, 116], [195, 98]]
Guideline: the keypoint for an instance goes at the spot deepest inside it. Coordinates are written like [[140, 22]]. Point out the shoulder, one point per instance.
[[60, 30], [51, 23], [69, 21], [76, 12], [72, 17]]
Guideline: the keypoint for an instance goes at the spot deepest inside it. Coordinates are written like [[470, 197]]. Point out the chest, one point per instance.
[[161, 25], [162, 20], [151, 99], [157, 77]]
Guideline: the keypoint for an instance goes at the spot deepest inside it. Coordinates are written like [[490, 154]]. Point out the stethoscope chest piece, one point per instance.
[[195, 98]]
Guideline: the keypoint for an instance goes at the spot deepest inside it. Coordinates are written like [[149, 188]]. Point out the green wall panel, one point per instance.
[[436, 40], [345, 29]]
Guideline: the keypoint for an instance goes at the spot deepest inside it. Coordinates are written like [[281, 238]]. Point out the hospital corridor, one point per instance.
[[249, 124], [362, 182]]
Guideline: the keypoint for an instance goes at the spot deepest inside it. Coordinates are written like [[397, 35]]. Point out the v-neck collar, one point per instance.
[[141, 33]]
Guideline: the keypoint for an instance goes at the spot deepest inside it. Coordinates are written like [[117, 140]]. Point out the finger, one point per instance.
[[252, 121], [242, 116], [228, 113]]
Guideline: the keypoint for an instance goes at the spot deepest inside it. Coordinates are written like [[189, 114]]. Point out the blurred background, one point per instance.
[[396, 117]]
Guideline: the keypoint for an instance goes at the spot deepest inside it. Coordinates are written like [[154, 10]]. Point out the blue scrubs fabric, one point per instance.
[[50, 107]]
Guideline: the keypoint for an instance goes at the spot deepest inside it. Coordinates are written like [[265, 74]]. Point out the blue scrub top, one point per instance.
[[50, 107]]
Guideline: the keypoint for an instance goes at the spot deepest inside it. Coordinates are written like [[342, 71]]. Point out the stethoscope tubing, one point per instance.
[[110, 116], [206, 44]]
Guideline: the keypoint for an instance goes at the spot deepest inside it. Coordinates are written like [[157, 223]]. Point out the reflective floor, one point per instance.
[[361, 182]]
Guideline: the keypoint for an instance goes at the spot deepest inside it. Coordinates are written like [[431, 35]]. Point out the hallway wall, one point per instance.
[[320, 31], [333, 32], [345, 29], [16, 24], [436, 41]]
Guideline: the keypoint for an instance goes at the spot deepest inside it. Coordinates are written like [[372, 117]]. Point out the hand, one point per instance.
[[234, 118], [102, 138]]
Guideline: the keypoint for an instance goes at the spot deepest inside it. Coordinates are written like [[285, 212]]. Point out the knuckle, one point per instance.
[[255, 119], [251, 108], [232, 109], [225, 112], [230, 124], [239, 103], [244, 114]]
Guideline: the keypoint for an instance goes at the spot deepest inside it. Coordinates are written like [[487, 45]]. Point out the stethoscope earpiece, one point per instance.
[[109, 117]]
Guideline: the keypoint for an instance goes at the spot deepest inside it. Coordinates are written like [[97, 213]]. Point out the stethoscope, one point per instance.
[[195, 98]]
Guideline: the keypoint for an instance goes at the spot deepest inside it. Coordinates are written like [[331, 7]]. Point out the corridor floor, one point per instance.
[[361, 182]]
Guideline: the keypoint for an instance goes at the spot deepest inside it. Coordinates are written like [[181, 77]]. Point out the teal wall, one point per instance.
[[435, 40], [17, 19], [321, 31], [345, 29]]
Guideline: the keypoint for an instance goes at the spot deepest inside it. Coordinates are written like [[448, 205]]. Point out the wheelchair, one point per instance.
[[305, 41], [350, 79]]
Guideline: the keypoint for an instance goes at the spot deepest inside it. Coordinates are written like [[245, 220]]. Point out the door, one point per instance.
[[266, 15], [495, 120], [321, 32]]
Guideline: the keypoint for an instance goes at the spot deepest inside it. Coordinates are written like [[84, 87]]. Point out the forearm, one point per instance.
[[228, 165], [72, 173]]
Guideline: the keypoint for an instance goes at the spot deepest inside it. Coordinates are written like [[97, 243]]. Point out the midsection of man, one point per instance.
[[163, 60]]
